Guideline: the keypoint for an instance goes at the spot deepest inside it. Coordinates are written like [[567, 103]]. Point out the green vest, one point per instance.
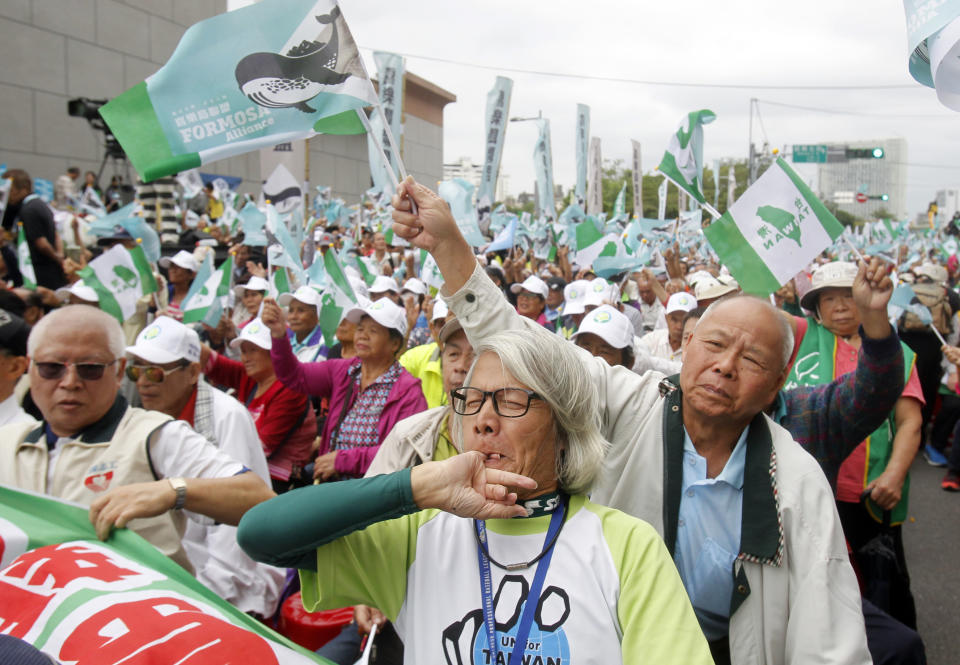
[[815, 365]]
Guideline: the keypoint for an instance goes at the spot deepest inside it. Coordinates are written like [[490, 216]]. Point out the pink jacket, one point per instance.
[[330, 379]]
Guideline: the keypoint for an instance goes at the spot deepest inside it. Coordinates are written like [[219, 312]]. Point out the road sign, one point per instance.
[[861, 197], [809, 154], [843, 197]]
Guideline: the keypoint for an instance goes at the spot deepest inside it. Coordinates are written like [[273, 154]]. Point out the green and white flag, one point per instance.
[[120, 277], [204, 301], [620, 204], [430, 273], [773, 231], [88, 602], [682, 161], [26, 262], [338, 297], [268, 73]]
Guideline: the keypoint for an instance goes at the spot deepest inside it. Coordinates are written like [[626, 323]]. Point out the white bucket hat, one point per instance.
[[608, 324], [255, 284], [384, 312], [183, 258], [165, 341], [254, 332], [533, 284], [838, 274], [80, 290]]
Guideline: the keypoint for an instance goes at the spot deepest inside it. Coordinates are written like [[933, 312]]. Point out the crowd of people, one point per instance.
[[651, 466]]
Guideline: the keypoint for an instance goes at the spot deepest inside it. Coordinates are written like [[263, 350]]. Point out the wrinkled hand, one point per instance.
[[431, 226], [886, 489], [465, 486], [272, 317], [872, 286], [324, 467], [117, 507], [366, 617]]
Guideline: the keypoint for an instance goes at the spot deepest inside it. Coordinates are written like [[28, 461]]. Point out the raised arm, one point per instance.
[[306, 378]]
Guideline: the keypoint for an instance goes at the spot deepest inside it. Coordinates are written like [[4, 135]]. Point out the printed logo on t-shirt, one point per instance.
[[466, 641], [99, 476]]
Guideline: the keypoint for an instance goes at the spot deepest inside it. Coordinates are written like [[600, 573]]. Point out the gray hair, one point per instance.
[[786, 332], [72, 316], [550, 367]]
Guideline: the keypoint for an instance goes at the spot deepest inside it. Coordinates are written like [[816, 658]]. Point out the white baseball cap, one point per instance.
[[574, 294], [183, 258], [80, 290], [254, 332], [165, 341], [681, 302], [533, 284], [305, 294], [384, 312], [255, 284], [608, 324], [599, 290], [440, 309], [414, 285], [382, 284]]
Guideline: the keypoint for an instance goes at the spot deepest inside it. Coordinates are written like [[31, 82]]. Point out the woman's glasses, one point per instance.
[[86, 371], [507, 402]]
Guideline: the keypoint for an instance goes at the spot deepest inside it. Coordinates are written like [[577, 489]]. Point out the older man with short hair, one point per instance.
[[132, 467], [165, 366], [746, 512]]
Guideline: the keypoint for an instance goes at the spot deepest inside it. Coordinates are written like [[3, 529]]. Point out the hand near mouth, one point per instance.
[[465, 486]]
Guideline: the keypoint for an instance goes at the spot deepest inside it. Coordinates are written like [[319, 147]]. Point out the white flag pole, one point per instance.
[[376, 142], [856, 251], [706, 206]]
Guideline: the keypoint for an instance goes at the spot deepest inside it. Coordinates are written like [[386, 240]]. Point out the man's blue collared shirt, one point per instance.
[[708, 534]]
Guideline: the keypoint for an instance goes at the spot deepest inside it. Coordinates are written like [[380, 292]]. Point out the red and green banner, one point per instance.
[[87, 602]]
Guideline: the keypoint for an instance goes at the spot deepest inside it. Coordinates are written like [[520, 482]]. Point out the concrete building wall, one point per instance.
[[56, 50]]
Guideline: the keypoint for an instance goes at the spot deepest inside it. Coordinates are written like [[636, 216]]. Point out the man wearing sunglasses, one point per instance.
[[130, 466], [165, 366]]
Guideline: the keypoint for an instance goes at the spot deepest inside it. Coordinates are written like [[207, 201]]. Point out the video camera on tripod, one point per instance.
[[89, 109]]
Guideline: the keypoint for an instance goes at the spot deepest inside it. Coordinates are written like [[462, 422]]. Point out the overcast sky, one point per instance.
[[736, 42]]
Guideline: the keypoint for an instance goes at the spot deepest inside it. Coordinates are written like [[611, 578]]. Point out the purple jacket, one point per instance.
[[330, 379]]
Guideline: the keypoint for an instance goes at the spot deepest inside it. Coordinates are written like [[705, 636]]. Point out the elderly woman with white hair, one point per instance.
[[435, 548]]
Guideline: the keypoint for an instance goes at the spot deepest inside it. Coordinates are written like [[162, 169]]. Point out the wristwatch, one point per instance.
[[179, 486]]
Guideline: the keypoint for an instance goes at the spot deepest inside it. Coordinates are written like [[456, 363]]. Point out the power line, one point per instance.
[[817, 109], [669, 84]]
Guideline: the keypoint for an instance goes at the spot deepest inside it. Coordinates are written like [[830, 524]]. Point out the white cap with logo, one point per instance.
[[610, 325], [600, 290], [384, 312], [167, 340], [256, 333], [574, 294], [681, 302]]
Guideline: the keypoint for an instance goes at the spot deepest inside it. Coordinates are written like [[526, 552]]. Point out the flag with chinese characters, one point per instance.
[[271, 72], [88, 602], [773, 231]]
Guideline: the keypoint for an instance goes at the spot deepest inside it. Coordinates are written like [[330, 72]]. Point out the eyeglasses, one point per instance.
[[507, 402], [151, 373], [86, 371]]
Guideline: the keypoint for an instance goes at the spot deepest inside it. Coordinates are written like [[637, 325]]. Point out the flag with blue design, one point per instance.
[[682, 161], [268, 73], [25, 260], [458, 193], [43, 188], [253, 221], [904, 299], [120, 277], [506, 238], [774, 230]]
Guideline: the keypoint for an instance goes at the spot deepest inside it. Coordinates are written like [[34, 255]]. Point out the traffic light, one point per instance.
[[865, 153], [884, 197]]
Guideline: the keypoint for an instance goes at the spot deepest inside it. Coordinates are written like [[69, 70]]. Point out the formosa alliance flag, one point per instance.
[[272, 72], [88, 602], [773, 231]]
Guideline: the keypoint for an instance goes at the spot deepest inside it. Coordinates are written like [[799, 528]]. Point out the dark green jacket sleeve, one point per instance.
[[287, 530]]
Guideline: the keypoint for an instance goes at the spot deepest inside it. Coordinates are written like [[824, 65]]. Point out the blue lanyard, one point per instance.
[[533, 598]]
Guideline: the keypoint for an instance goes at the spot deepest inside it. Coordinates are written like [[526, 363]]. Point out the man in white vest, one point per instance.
[[134, 468], [165, 364]]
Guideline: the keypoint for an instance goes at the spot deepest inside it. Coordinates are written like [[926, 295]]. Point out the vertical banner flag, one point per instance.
[[458, 193], [662, 199], [268, 73], [80, 600], [637, 181], [773, 231], [498, 111], [120, 277], [582, 147], [284, 167], [595, 179], [543, 165], [731, 185], [379, 171], [716, 183], [390, 69], [682, 161], [620, 204], [25, 260]]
